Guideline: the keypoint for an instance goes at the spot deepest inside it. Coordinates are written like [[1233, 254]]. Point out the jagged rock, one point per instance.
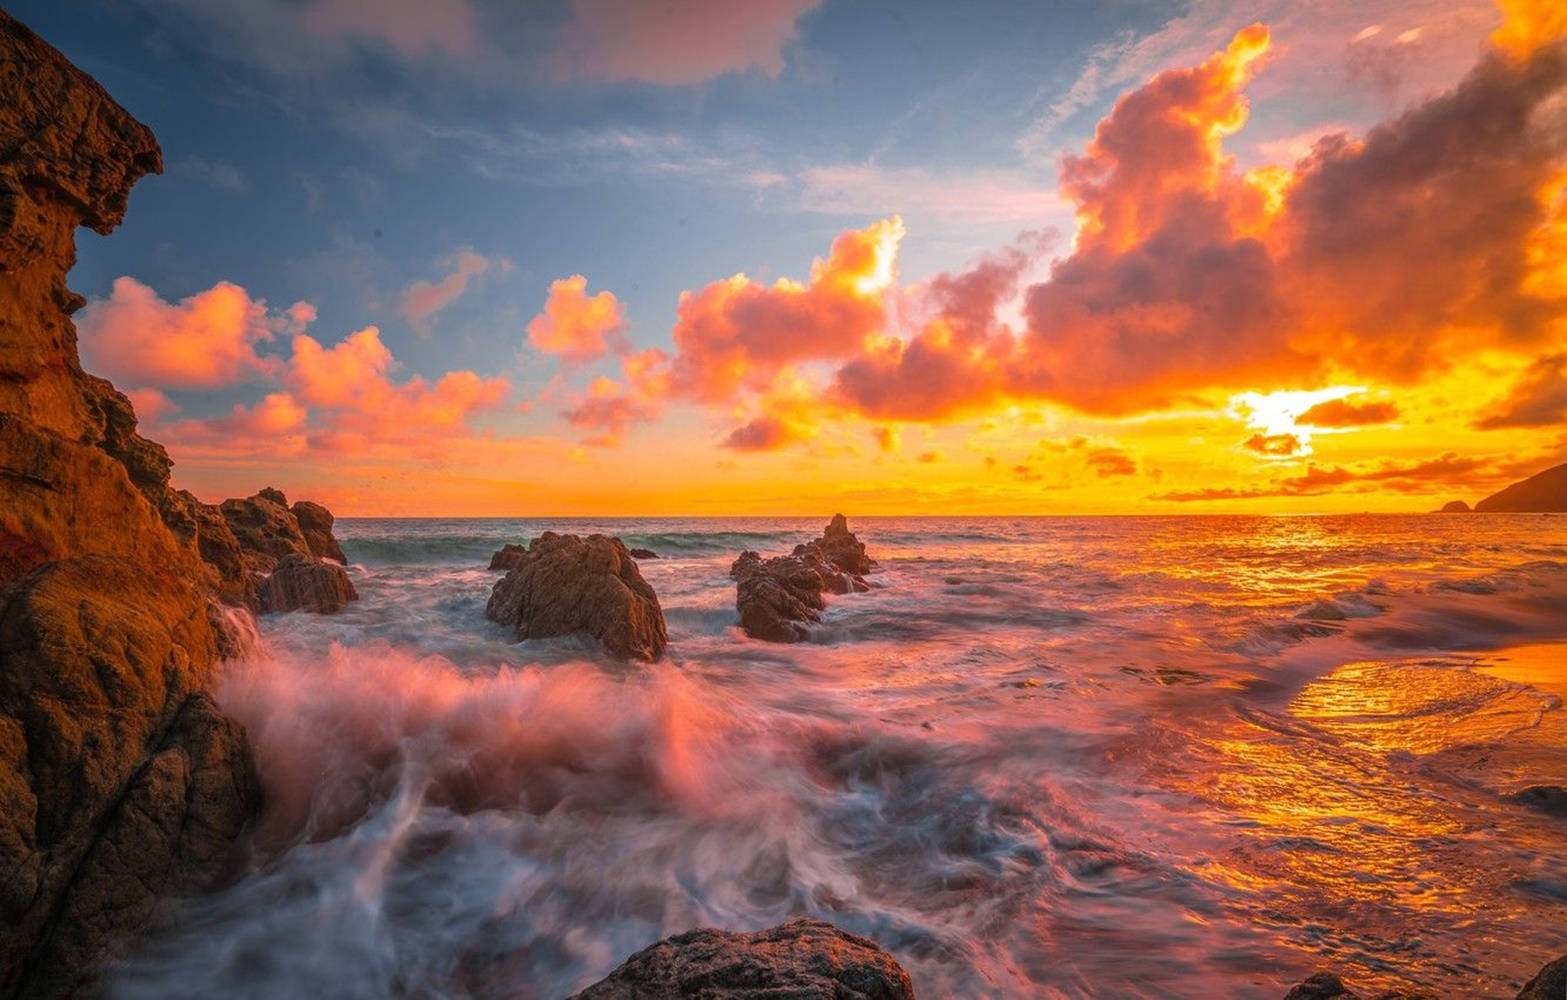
[[800, 960], [120, 781], [643, 554], [305, 583], [1454, 507], [315, 523], [563, 584], [265, 529], [1321, 986], [508, 557], [1543, 492], [842, 549], [1549, 984], [778, 597]]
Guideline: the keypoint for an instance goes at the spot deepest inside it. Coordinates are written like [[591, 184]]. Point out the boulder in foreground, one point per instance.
[[508, 557], [778, 597], [800, 960], [564, 584]]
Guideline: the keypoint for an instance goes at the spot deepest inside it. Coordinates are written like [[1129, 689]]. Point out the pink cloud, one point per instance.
[[205, 341], [653, 41], [423, 299]]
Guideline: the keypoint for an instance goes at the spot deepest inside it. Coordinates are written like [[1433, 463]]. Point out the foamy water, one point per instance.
[[1059, 757]]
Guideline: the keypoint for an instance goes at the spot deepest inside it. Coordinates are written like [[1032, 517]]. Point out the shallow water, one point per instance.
[[1055, 757]]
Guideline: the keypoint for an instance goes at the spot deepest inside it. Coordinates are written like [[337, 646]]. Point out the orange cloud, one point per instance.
[[352, 374], [675, 44], [1273, 445], [736, 334], [1382, 258], [578, 327], [609, 407], [423, 299], [1537, 399], [1349, 413], [205, 341]]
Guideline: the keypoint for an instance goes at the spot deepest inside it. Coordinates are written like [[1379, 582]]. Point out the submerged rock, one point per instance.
[[800, 960], [1549, 984], [120, 780], [1549, 799], [305, 583], [563, 584], [643, 554], [778, 597]]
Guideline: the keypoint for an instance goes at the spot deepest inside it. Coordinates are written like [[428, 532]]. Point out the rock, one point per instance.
[[800, 960], [1549, 984], [643, 554], [563, 584], [1549, 799], [265, 529], [120, 780], [1454, 507], [305, 583], [1540, 493], [842, 549], [508, 557], [315, 523], [1322, 986], [778, 597]]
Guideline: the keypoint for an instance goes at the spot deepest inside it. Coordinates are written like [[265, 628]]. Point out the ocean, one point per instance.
[[1063, 757]]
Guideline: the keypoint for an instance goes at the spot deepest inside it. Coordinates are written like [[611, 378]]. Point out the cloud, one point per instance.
[[765, 433], [1448, 470], [1379, 258], [220, 175], [1272, 445], [1108, 462], [609, 408], [1349, 413], [1537, 399], [736, 334], [577, 327], [984, 197], [423, 299], [652, 41], [411, 27], [338, 400], [205, 341]]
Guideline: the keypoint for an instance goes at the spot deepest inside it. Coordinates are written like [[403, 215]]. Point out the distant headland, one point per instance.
[[1542, 493]]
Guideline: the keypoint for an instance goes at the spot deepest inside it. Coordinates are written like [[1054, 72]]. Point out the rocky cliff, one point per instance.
[[1540, 493], [121, 782]]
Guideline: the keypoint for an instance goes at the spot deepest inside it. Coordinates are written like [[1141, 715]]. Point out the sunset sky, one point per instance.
[[461, 257]]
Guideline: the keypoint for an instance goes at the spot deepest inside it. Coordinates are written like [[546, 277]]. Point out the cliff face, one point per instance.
[[120, 780], [1540, 493]]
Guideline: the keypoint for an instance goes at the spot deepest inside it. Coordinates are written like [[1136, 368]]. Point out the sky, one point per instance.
[[648, 257]]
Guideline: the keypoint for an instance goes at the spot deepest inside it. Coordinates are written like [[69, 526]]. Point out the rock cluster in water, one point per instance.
[[565, 584], [777, 597], [800, 960], [1549, 984], [120, 779]]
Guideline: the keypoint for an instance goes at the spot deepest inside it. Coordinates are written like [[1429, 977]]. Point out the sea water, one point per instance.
[[1174, 757]]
